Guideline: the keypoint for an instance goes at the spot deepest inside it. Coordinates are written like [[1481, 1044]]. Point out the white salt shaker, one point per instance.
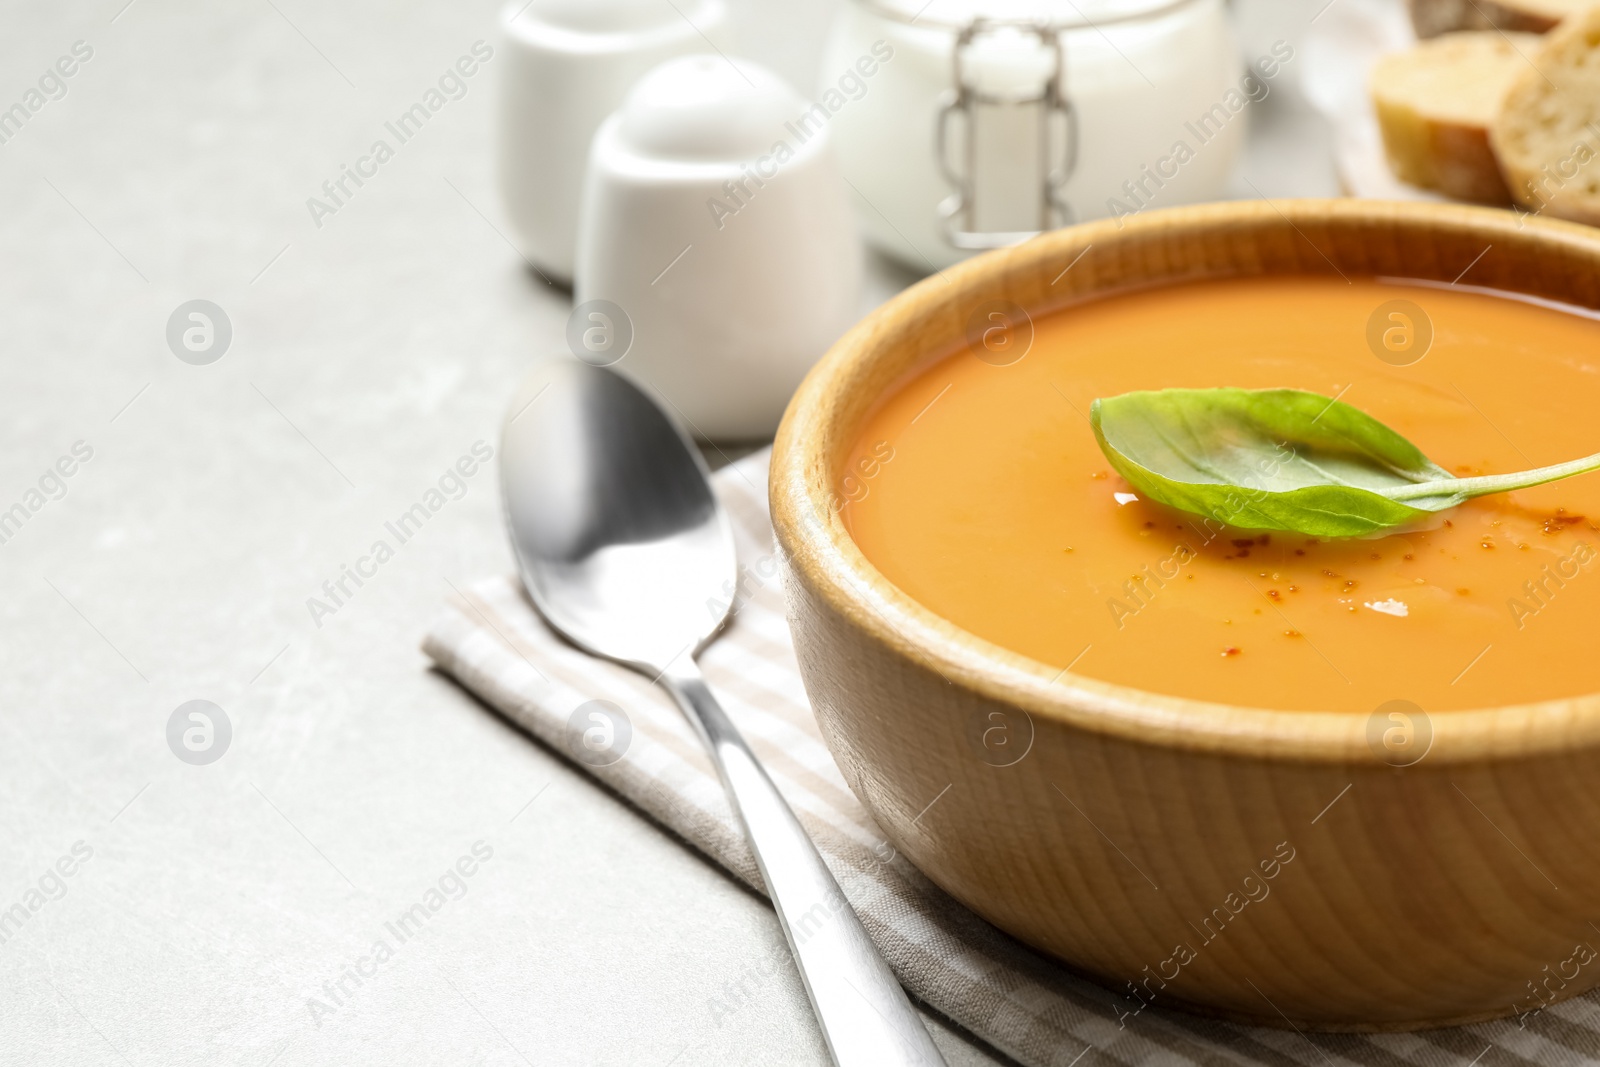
[[568, 64], [716, 225]]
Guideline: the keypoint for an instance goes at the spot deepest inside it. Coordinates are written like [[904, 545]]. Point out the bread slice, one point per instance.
[[1547, 134], [1435, 104], [1433, 17]]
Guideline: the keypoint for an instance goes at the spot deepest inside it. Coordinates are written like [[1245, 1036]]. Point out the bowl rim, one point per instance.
[[820, 553]]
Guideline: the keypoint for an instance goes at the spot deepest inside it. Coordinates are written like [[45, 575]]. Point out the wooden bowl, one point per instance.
[[1267, 866]]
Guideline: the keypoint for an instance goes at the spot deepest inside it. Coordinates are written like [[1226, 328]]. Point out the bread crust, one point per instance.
[[1435, 104], [1430, 18], [1547, 134]]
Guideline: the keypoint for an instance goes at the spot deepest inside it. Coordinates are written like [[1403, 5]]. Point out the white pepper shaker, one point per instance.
[[718, 228]]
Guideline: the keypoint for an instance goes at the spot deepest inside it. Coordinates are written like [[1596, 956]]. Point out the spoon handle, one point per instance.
[[865, 1016]]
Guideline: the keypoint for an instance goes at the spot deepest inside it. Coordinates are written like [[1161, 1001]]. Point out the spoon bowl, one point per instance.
[[619, 539]]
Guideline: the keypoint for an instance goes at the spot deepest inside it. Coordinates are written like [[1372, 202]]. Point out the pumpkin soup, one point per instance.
[[978, 488]]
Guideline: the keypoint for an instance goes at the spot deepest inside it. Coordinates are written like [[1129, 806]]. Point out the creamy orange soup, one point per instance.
[[978, 489]]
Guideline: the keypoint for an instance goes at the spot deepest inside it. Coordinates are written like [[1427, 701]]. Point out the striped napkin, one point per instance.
[[628, 734]]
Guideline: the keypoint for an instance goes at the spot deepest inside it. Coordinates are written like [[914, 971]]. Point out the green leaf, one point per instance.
[[1284, 459]]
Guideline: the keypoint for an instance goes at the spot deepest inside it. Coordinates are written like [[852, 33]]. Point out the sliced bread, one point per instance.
[[1433, 17], [1435, 104], [1547, 134]]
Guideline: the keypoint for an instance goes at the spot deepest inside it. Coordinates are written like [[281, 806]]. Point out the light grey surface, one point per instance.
[[367, 356]]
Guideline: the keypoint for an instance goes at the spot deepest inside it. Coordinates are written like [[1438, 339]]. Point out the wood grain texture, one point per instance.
[[1134, 838]]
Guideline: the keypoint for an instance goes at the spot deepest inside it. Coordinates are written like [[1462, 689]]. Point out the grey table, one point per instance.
[[225, 913]]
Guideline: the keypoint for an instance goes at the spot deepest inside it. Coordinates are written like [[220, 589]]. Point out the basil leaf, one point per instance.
[[1284, 459]]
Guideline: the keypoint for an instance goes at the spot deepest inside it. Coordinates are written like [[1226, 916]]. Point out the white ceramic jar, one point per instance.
[[566, 65], [986, 121], [721, 235]]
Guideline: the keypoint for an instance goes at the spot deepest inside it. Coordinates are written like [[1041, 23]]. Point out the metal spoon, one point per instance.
[[622, 547]]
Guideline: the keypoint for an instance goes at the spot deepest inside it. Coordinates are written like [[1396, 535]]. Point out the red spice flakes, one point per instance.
[[1409, 556], [1291, 633], [1242, 542], [1229, 651], [1329, 573], [1377, 555], [1560, 520], [1274, 594], [1264, 539], [1294, 589], [1486, 543], [1447, 522], [1149, 526], [1299, 551]]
